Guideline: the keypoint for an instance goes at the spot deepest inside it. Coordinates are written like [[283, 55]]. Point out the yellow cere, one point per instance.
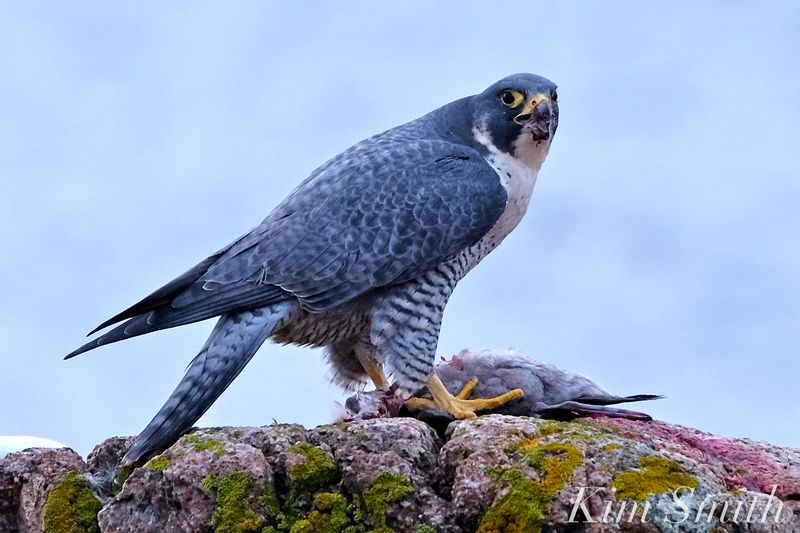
[[538, 99]]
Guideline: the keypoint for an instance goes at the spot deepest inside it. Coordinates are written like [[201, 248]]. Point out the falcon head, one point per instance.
[[517, 114]]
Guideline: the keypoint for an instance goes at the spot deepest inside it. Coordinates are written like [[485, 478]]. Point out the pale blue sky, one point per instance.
[[660, 254]]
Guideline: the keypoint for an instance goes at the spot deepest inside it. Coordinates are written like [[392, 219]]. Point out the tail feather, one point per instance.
[[234, 299], [119, 333], [163, 295], [611, 400], [570, 409], [233, 342]]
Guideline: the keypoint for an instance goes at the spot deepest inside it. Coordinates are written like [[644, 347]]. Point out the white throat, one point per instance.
[[517, 175]]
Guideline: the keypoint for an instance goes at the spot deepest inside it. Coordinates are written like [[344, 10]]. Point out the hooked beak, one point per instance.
[[539, 116]]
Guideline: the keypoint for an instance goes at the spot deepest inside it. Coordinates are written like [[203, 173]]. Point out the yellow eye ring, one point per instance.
[[511, 98]]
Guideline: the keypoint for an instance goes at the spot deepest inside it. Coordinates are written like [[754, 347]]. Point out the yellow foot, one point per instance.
[[466, 390], [373, 369], [459, 406]]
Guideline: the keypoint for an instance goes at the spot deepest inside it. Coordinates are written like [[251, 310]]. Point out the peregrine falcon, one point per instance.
[[361, 257]]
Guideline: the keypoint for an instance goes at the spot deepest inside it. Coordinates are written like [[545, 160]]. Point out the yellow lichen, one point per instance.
[[526, 501], [656, 475]]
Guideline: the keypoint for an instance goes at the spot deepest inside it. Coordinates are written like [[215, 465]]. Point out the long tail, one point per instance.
[[231, 345]]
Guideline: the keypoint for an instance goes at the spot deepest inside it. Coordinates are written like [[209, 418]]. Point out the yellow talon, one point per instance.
[[373, 369], [467, 389], [459, 406]]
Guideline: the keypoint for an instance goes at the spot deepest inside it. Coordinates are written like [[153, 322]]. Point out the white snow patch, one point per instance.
[[16, 443]]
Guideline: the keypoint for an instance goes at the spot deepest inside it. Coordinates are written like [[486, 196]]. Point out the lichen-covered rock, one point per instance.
[[392, 464], [208, 478], [72, 506], [492, 474], [26, 481], [523, 474]]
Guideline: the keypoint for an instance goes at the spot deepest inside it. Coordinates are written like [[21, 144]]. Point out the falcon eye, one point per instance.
[[511, 98], [554, 97]]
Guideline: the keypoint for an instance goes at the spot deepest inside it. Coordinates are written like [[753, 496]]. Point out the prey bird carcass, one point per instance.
[[549, 391]]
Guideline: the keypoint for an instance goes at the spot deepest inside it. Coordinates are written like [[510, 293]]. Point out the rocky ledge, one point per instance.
[[492, 474]]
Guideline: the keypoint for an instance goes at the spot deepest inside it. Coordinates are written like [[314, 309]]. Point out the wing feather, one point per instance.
[[368, 218]]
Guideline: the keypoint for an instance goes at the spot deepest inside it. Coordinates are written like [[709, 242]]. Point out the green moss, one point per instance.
[[315, 472], [385, 489], [656, 475], [316, 502], [524, 506], [550, 427], [494, 472], [610, 448], [580, 430], [204, 444], [597, 426], [425, 528], [159, 463], [269, 500], [330, 515], [234, 514], [72, 507], [330, 512], [210, 482], [329, 501], [123, 473]]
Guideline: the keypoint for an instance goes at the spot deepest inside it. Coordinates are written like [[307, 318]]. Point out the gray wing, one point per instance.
[[377, 218], [381, 213]]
